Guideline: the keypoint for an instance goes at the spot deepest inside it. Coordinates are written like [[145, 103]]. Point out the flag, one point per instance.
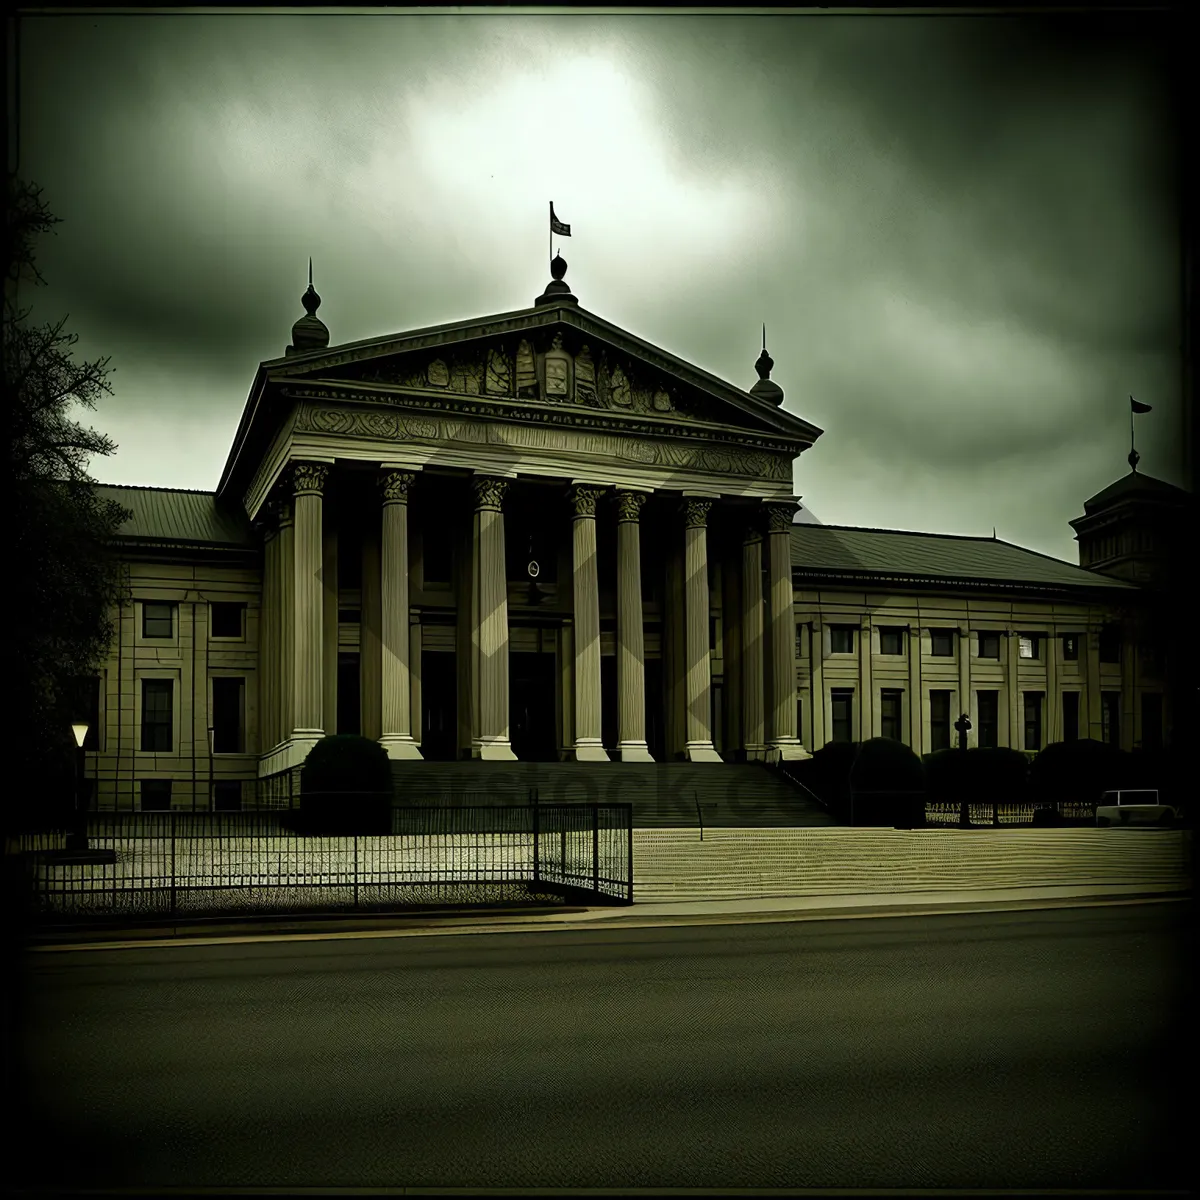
[[556, 226], [1138, 408]]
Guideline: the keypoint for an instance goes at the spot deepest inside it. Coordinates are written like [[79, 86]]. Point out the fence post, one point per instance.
[[537, 837], [356, 872], [699, 815], [596, 848], [174, 897], [995, 814], [628, 810]]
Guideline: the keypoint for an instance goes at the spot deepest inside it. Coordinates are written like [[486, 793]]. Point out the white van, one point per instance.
[[1138, 806]]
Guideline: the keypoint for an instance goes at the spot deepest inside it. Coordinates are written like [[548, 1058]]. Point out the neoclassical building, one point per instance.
[[537, 537]]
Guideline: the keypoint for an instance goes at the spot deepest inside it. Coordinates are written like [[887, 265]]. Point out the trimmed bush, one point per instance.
[[887, 783], [948, 776], [828, 774], [346, 787], [1076, 772], [997, 774]]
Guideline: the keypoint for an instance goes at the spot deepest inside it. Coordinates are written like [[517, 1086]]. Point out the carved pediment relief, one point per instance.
[[551, 366]]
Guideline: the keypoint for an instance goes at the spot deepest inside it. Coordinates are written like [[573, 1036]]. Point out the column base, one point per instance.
[[494, 750], [702, 752], [400, 746], [787, 751], [289, 753], [634, 752], [590, 750]]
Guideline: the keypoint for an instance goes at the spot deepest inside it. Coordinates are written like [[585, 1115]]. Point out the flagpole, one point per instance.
[[1131, 445], [550, 237]]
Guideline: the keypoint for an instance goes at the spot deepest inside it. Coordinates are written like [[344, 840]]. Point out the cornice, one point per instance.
[[861, 580], [533, 412]]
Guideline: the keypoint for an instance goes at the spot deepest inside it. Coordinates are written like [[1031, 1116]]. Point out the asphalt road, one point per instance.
[[1006, 1050]]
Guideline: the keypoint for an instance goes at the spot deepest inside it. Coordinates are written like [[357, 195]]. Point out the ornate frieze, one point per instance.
[[695, 511], [619, 389], [557, 366], [437, 373], [629, 505], [779, 516], [526, 371], [583, 499], [308, 479], [585, 379], [394, 486], [499, 373], [489, 492]]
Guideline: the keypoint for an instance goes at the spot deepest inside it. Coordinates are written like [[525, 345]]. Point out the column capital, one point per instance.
[[583, 497], [281, 508], [779, 514], [629, 505], [308, 478], [694, 510], [489, 492], [394, 485]]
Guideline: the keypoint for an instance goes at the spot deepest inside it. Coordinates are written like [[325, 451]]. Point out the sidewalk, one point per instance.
[[650, 915]]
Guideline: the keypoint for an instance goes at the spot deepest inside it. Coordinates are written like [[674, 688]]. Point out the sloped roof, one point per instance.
[[834, 550], [1135, 484], [177, 517]]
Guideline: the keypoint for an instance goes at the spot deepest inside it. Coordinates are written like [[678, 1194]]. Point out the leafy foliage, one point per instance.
[[346, 787], [1079, 771], [887, 781], [61, 548]]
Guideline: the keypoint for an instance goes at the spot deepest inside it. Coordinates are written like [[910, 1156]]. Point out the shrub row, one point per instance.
[[883, 782]]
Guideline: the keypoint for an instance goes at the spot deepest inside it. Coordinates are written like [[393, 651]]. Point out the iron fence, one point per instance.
[[174, 864]]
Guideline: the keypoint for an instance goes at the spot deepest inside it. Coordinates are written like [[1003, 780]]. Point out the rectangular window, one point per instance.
[[1152, 721], [1070, 703], [227, 795], [156, 795], [841, 639], [1033, 720], [939, 720], [842, 703], [437, 562], [891, 639], [989, 645], [157, 714], [158, 620], [1029, 645], [229, 715], [1110, 644], [941, 643], [989, 718], [228, 619], [1070, 647], [1110, 718], [890, 703]]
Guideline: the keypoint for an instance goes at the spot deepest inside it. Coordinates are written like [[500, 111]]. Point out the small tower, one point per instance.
[[765, 388], [309, 333], [557, 292]]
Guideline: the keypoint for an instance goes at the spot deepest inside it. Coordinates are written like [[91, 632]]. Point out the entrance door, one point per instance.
[[531, 707], [655, 734], [349, 718], [439, 712]]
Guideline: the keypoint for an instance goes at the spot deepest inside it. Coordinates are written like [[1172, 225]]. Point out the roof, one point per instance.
[[1133, 485], [172, 516], [902, 555]]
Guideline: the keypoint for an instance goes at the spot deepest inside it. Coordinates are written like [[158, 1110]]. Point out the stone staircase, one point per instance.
[[663, 795]]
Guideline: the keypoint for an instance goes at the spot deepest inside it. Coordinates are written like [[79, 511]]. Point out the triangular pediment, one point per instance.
[[557, 358]]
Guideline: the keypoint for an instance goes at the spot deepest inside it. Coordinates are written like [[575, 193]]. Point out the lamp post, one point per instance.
[[79, 840]]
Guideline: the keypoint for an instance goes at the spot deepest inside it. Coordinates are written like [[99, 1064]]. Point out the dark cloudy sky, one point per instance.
[[961, 232]]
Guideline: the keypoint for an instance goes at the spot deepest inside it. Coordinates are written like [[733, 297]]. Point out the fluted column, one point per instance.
[[781, 619], [752, 645], [285, 567], [1016, 735], [490, 587], [585, 590], [631, 658], [396, 737], [308, 483], [268, 665], [696, 638]]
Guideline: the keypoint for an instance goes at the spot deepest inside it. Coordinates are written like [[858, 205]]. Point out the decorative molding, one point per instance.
[[629, 505], [308, 478], [695, 512], [499, 373], [526, 370], [395, 486], [583, 499], [438, 373], [779, 516], [489, 492], [393, 426]]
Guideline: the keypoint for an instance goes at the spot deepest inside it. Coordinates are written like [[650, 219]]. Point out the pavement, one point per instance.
[[691, 911]]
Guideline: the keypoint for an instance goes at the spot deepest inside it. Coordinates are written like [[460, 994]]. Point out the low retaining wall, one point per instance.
[[674, 864]]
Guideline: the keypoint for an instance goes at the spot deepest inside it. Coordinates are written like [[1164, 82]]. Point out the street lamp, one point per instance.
[[79, 840]]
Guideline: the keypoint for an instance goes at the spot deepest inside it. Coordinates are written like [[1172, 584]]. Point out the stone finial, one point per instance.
[[309, 333], [765, 388], [557, 290]]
